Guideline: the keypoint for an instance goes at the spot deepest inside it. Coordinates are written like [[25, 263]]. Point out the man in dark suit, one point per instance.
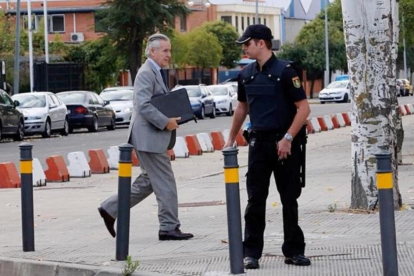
[[152, 133]]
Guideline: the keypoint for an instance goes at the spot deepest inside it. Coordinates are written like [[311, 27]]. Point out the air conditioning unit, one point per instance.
[[76, 37]]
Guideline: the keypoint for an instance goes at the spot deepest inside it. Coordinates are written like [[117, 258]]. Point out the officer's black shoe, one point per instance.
[[298, 259], [251, 263]]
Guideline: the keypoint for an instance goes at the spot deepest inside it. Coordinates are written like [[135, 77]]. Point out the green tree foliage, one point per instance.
[[102, 63], [204, 49], [6, 36], [197, 48], [129, 22], [226, 35]]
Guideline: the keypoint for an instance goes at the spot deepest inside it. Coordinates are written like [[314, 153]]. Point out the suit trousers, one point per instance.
[[157, 176], [263, 160]]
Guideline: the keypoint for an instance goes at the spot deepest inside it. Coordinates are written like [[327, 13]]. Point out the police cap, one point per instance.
[[257, 31]]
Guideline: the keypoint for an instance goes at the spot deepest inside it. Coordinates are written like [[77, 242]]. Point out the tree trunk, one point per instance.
[[135, 57], [371, 36]]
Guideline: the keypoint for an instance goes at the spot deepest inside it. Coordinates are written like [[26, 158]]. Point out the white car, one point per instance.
[[117, 88], [224, 98], [121, 101], [43, 112], [337, 91]]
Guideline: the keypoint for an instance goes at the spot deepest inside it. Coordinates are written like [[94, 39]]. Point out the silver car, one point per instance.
[[121, 101], [43, 112]]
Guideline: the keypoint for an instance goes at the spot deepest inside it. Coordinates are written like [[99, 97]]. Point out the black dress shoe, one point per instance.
[[251, 263], [109, 221], [298, 259], [174, 235]]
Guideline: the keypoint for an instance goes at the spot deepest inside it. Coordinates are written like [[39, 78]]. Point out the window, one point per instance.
[[57, 23], [51, 101], [99, 99], [264, 19], [254, 20], [242, 22], [248, 21], [99, 26], [237, 23], [260, 20], [226, 19], [56, 99], [92, 99], [6, 99], [2, 101], [183, 22]]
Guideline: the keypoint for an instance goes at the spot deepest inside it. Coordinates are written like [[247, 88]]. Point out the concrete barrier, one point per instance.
[[135, 160], [217, 139], [340, 119], [403, 111], [171, 153], [180, 148], [39, 177], [205, 142], [410, 108], [57, 170], [98, 162], [322, 123], [193, 145], [240, 139], [347, 119], [315, 124], [9, 176], [113, 159], [78, 165]]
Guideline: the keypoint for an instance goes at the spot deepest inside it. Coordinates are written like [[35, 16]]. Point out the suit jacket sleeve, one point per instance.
[[144, 89]]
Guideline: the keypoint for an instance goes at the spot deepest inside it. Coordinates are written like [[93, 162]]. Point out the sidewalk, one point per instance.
[[71, 239]]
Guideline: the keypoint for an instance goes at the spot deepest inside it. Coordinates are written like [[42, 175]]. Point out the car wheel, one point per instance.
[[112, 126], [19, 136], [202, 113], [346, 98], [94, 127], [230, 113], [48, 129], [322, 102], [213, 113], [65, 131]]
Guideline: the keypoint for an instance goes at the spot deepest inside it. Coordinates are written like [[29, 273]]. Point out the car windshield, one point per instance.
[[72, 98], [30, 100], [218, 90], [120, 95], [338, 84], [193, 91]]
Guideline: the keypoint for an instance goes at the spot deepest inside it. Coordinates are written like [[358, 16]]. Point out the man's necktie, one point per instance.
[[163, 77]]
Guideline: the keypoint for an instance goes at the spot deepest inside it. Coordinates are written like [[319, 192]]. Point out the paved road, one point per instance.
[[82, 140]]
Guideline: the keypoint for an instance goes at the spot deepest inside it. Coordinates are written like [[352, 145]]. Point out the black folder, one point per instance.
[[175, 104]]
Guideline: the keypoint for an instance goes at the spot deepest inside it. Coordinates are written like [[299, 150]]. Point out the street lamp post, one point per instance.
[[326, 45]]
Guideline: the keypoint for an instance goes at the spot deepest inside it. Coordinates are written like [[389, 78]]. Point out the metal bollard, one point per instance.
[[26, 172], [124, 199], [231, 177], [386, 214]]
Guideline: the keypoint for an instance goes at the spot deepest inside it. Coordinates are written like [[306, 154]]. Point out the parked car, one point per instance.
[[87, 109], [43, 113], [201, 99], [405, 87], [11, 119], [223, 99], [115, 88], [337, 91], [121, 101]]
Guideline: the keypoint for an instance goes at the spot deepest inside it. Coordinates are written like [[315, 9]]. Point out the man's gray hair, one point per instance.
[[154, 42]]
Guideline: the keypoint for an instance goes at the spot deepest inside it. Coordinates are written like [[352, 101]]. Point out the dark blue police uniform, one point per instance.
[[271, 95]]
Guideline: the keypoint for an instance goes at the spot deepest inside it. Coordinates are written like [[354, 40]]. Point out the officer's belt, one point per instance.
[[267, 135]]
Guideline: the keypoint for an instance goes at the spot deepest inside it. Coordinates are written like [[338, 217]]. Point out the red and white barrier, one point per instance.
[[180, 148], [39, 177], [205, 142]]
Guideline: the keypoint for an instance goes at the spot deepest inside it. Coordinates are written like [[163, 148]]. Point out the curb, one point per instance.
[[24, 267]]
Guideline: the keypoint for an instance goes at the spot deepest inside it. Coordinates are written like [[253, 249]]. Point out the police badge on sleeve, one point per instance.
[[296, 82]]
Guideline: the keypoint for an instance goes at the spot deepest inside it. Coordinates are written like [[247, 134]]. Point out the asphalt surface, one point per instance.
[[82, 140], [71, 238]]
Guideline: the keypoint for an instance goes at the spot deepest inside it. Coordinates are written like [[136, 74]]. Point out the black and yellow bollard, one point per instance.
[[386, 214], [26, 172], [231, 177], [124, 199]]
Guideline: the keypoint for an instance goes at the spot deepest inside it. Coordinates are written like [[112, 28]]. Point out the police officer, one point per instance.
[[271, 92]]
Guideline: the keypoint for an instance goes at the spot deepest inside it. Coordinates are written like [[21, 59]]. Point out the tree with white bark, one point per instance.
[[371, 30]]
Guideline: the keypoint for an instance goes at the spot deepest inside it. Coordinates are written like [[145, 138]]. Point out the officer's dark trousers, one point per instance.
[[263, 160]]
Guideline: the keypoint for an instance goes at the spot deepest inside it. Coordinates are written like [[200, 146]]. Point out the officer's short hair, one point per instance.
[[267, 42]]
